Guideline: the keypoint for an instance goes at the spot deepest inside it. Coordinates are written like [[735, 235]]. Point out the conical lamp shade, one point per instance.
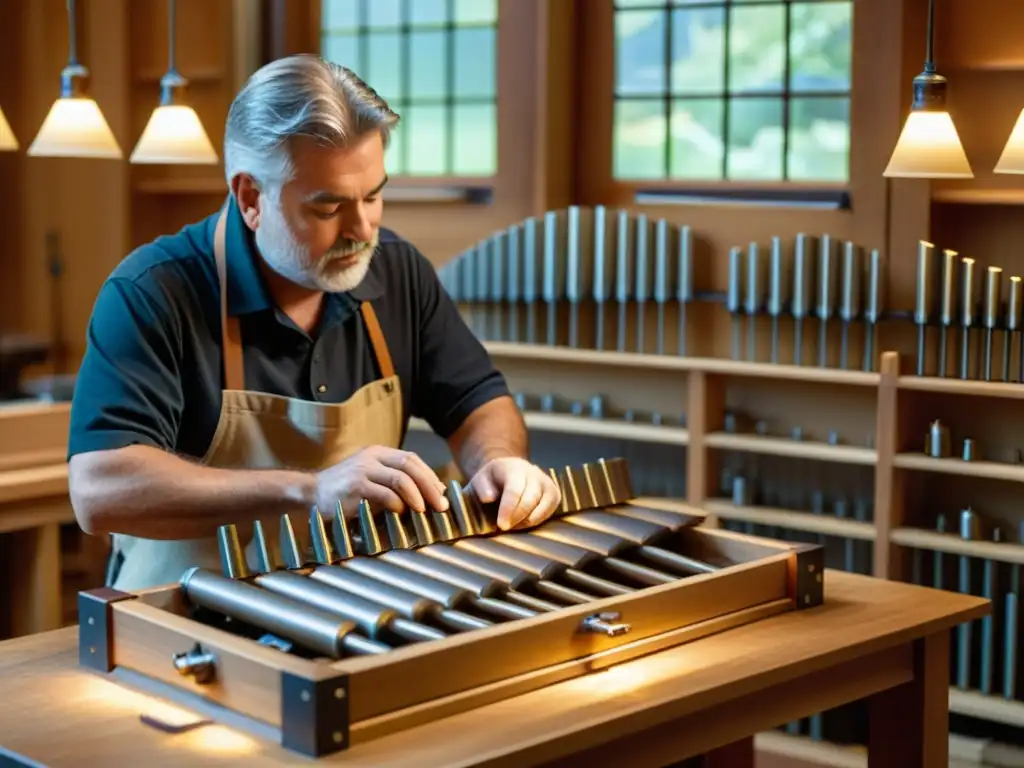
[[929, 148], [174, 134], [1012, 159], [7, 141], [75, 127]]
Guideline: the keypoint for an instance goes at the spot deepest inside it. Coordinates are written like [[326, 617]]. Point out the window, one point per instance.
[[435, 62], [739, 90]]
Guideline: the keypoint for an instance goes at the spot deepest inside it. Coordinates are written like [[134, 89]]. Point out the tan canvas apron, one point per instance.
[[263, 431]]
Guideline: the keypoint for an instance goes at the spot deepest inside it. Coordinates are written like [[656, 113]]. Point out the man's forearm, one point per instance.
[[495, 430], [143, 491]]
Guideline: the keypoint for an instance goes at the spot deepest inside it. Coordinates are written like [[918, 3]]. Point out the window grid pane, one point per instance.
[[755, 90], [414, 54]]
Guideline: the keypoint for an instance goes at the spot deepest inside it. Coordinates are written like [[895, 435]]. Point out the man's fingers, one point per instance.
[[430, 489], [399, 482], [484, 487], [380, 497], [550, 497], [531, 497], [511, 493]]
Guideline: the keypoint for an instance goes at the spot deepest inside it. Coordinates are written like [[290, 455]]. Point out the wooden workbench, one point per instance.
[[872, 638]]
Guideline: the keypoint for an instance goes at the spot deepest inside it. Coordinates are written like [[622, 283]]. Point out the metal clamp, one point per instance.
[[198, 664], [605, 624]]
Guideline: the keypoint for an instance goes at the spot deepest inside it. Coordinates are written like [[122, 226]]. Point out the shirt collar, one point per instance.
[[247, 291]]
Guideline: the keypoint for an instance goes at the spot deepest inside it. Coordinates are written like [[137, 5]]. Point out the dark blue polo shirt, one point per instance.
[[153, 371]]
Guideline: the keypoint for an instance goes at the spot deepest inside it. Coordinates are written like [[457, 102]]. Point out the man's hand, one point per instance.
[[528, 496], [386, 477]]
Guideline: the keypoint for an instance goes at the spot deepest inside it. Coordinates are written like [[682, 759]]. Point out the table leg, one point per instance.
[[909, 724], [739, 754]]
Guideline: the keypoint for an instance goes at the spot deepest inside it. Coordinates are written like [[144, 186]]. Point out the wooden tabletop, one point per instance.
[[55, 713]]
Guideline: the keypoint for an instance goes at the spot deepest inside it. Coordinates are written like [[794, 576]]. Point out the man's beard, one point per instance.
[[339, 269]]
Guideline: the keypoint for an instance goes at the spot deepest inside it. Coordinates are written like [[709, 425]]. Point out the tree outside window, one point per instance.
[[435, 62], [746, 90]]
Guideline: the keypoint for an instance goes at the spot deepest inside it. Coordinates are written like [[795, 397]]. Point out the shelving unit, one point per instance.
[[887, 399], [580, 425]]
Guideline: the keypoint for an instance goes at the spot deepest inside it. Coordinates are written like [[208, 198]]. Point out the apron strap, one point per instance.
[[380, 346], [231, 333]]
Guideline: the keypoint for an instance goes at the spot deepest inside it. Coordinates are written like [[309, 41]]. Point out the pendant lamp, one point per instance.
[[7, 141], [75, 126], [929, 146], [1012, 159], [174, 134]]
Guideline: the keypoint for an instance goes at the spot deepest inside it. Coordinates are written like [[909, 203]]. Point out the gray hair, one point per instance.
[[301, 95]]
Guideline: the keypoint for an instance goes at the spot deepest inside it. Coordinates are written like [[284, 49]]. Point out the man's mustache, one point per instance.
[[346, 247]]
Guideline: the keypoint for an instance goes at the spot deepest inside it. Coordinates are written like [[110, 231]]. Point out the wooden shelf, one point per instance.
[[582, 425], [1009, 390], [610, 359], [950, 543], [994, 470], [993, 708], [34, 483], [799, 449], [979, 196], [182, 186], [806, 752], [791, 520]]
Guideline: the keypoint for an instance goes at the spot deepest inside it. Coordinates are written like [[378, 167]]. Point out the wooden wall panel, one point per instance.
[[83, 202], [12, 17], [549, 156]]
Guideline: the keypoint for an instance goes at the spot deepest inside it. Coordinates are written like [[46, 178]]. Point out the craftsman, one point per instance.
[[193, 410]]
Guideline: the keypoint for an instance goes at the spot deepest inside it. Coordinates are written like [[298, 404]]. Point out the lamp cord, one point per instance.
[[171, 36], [72, 36], [929, 56]]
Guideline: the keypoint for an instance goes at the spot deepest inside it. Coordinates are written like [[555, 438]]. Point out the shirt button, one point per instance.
[[316, 358], [322, 388]]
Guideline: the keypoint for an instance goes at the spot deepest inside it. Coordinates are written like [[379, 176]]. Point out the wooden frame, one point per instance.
[[136, 636]]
